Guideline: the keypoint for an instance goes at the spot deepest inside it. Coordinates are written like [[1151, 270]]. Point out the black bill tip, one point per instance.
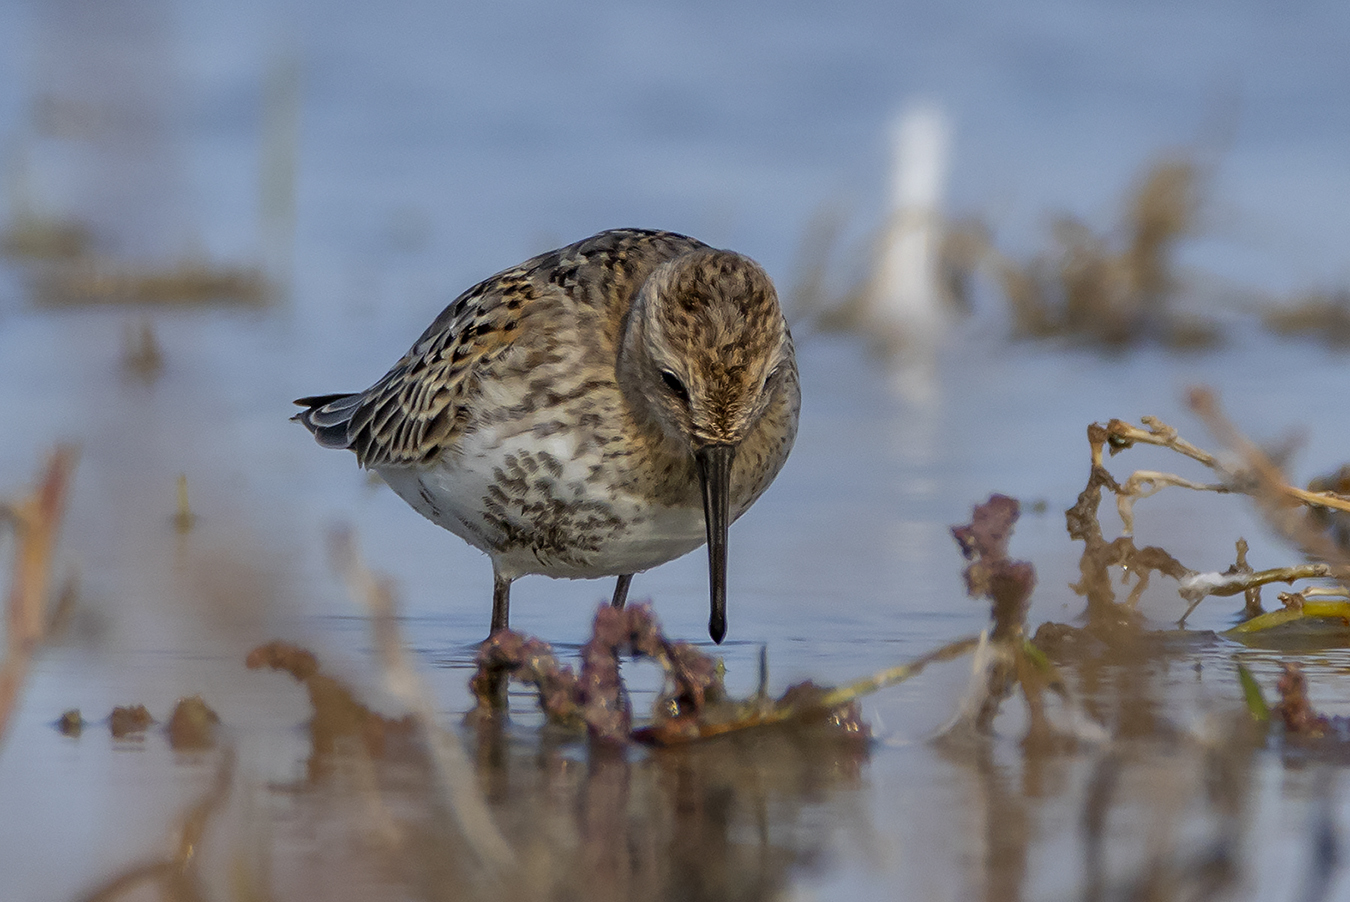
[[714, 472], [717, 625]]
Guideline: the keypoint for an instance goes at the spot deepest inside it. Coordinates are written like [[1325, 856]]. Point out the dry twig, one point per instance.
[[36, 522], [176, 874], [1251, 473], [455, 777]]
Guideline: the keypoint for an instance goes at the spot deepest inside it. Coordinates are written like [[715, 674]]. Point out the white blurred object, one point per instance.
[[906, 300]]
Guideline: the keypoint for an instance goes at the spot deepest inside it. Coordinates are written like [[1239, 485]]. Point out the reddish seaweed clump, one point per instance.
[[691, 676], [1295, 710], [597, 697], [693, 704], [508, 654], [992, 574]]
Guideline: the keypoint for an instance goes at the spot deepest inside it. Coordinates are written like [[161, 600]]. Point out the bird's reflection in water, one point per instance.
[[732, 818]]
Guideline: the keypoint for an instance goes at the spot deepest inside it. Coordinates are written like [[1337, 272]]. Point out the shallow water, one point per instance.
[[439, 144]]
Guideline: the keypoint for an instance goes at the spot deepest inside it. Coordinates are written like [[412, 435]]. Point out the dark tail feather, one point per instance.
[[327, 416]]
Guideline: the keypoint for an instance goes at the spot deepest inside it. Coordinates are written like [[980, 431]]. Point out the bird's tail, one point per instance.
[[328, 416]]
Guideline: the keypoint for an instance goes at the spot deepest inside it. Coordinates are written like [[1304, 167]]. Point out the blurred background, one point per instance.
[[991, 225]]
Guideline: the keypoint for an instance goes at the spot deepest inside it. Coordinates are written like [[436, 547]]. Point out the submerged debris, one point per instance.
[[1252, 595], [296, 660], [1301, 607], [129, 720], [695, 815], [1252, 696], [338, 714], [693, 705], [598, 697], [71, 723], [802, 704], [1107, 619], [1295, 710], [692, 681], [192, 726]]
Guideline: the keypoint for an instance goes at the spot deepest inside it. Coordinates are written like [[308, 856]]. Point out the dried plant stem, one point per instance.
[[1273, 494], [801, 703], [1331, 609], [454, 772], [183, 517], [36, 522], [1320, 499], [177, 874], [1323, 592], [1196, 587], [1145, 483], [1120, 435], [1199, 585], [842, 695], [1257, 476]]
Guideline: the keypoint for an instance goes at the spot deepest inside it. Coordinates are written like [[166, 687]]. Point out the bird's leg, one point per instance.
[[621, 591], [498, 676], [501, 602]]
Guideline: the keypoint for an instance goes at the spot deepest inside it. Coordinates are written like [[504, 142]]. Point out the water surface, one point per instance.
[[437, 144]]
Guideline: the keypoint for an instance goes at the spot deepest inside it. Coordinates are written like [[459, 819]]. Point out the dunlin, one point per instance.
[[596, 411]]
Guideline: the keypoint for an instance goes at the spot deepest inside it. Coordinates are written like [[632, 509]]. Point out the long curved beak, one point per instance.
[[714, 472]]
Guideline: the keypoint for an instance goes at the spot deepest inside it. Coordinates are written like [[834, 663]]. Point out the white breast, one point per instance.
[[542, 505]]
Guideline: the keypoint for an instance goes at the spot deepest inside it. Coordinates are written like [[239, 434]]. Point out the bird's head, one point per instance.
[[707, 352]]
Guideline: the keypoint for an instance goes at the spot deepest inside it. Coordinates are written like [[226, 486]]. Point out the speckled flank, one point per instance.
[[550, 414]]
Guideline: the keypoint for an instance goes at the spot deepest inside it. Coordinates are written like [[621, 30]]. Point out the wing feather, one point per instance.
[[421, 405]]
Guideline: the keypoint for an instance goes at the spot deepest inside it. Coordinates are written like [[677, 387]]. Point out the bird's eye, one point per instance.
[[675, 386]]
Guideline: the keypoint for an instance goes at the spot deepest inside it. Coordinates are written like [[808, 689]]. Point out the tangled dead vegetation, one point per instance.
[[1298, 515], [1112, 292], [1112, 287]]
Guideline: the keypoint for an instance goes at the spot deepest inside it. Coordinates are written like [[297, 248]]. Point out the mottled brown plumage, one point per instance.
[[599, 409]]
